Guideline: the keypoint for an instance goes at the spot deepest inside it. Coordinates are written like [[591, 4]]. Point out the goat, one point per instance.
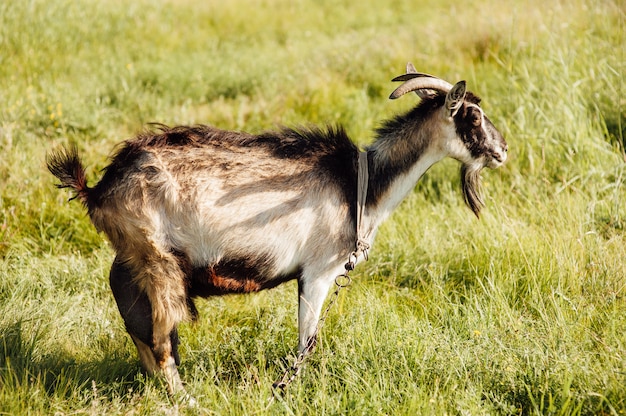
[[194, 211]]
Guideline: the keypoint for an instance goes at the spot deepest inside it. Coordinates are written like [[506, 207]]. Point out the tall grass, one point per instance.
[[522, 312]]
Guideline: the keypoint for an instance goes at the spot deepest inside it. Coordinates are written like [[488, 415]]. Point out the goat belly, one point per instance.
[[233, 276]]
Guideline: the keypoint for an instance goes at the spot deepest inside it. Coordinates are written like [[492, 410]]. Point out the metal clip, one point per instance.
[[362, 246], [343, 280]]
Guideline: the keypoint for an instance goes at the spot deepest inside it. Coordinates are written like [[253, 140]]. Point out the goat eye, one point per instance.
[[475, 118]]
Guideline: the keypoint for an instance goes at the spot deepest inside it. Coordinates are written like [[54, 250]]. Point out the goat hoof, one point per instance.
[[190, 401], [185, 399]]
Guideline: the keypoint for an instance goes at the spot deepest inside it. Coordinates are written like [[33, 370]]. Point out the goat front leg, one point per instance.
[[136, 310], [313, 292]]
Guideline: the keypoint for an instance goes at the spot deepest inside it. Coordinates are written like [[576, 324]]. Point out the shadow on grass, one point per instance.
[[117, 375], [60, 374]]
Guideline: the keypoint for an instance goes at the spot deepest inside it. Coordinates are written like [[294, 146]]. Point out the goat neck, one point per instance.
[[405, 148]]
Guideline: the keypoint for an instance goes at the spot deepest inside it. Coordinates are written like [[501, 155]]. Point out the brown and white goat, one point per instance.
[[198, 212]]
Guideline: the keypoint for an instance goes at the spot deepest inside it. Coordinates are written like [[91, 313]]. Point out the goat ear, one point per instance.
[[455, 97], [410, 69], [425, 93]]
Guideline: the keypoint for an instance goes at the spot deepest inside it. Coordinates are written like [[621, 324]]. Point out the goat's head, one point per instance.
[[476, 142]]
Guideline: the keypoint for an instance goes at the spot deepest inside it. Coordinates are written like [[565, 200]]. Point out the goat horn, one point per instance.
[[418, 81]]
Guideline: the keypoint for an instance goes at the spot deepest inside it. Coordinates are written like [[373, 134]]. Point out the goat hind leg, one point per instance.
[[164, 283], [136, 310]]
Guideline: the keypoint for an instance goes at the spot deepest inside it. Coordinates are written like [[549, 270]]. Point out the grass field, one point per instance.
[[521, 312]]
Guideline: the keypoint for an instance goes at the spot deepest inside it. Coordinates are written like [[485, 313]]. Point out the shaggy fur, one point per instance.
[[194, 211]]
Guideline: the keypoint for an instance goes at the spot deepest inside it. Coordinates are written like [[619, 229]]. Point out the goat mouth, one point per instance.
[[470, 184], [497, 161]]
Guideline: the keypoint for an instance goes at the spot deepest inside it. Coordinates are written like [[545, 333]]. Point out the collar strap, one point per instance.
[[362, 244]]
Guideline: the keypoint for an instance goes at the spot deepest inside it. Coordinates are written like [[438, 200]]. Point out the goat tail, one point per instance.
[[66, 165]]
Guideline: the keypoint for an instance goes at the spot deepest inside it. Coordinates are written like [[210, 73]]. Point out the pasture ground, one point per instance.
[[522, 312]]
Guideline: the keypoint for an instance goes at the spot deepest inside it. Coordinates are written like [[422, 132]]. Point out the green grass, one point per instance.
[[522, 312]]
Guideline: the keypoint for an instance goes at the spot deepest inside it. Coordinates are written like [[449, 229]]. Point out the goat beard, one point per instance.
[[470, 183]]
